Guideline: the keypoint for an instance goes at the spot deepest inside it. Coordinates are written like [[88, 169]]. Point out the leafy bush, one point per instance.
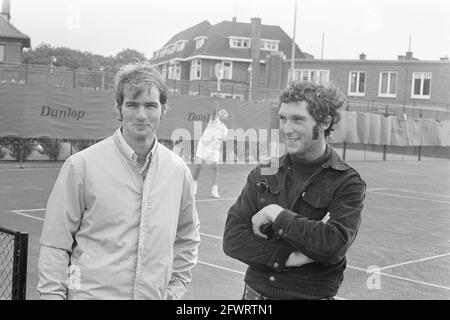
[[19, 148], [2, 153], [51, 147], [82, 144]]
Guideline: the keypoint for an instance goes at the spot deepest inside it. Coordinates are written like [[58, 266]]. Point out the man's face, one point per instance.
[[296, 128], [141, 115]]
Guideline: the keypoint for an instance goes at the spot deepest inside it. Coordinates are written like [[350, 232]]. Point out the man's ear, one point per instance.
[[119, 112], [163, 110], [326, 124]]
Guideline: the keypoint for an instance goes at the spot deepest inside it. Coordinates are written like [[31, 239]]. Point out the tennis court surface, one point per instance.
[[402, 250]]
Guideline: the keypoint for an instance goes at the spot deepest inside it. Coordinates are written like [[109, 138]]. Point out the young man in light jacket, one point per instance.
[[121, 221]]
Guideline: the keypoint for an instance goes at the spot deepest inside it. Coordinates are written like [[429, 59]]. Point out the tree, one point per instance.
[[129, 55]]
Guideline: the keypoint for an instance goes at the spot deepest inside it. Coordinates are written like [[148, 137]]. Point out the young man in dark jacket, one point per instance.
[[297, 215]]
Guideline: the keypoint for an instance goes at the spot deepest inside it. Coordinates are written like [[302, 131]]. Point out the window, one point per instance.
[[199, 41], [236, 42], [421, 85], [271, 45], [316, 76], [196, 69], [2, 53], [180, 45], [357, 83], [164, 71], [163, 52], [171, 49], [227, 67], [388, 84], [174, 71], [155, 54]]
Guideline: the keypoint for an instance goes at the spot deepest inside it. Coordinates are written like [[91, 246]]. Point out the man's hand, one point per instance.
[[265, 215], [297, 259]]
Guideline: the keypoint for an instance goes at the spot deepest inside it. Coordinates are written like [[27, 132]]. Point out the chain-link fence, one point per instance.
[[13, 264], [231, 89]]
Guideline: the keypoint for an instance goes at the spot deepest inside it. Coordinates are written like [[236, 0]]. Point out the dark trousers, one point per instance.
[[252, 294]]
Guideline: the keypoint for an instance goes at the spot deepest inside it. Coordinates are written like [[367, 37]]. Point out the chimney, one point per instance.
[[409, 55], [444, 58], [6, 9], [234, 19], [255, 34], [362, 56]]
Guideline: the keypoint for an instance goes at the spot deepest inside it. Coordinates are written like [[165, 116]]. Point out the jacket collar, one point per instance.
[[334, 162]]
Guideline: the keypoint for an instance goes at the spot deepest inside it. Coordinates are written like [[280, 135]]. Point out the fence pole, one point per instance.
[[192, 150], [419, 149], [19, 277], [22, 147], [386, 114], [344, 149], [26, 73]]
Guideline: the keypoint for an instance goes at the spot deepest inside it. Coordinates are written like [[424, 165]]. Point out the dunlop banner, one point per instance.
[[32, 111]]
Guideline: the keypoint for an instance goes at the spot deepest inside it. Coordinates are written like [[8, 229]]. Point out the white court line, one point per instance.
[[28, 169], [220, 267], [377, 189], [212, 200], [232, 199], [419, 192], [26, 215], [402, 278], [211, 236], [413, 261], [382, 273], [29, 210], [409, 197]]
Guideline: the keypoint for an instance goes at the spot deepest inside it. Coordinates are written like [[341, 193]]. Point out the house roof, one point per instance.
[[217, 41], [9, 32]]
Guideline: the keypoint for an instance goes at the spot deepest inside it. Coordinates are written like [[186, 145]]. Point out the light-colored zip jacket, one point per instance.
[[110, 234]]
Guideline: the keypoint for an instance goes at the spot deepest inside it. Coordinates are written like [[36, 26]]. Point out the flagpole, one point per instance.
[[293, 43]]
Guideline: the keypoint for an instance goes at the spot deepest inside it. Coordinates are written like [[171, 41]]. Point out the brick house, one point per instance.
[[250, 55], [12, 41], [406, 81]]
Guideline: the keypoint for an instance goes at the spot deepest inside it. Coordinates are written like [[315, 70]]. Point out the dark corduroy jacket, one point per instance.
[[334, 187]]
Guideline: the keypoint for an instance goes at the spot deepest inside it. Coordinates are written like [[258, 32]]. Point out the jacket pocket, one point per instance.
[[315, 204], [317, 199]]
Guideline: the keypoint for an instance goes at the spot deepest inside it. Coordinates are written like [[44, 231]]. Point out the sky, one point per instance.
[[379, 28]]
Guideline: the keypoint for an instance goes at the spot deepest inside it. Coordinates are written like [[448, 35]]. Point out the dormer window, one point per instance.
[[270, 45], [199, 41], [180, 45], [171, 49], [239, 42], [162, 52]]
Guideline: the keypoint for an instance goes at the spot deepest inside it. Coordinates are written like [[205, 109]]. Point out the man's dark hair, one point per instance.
[[136, 77], [323, 101]]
